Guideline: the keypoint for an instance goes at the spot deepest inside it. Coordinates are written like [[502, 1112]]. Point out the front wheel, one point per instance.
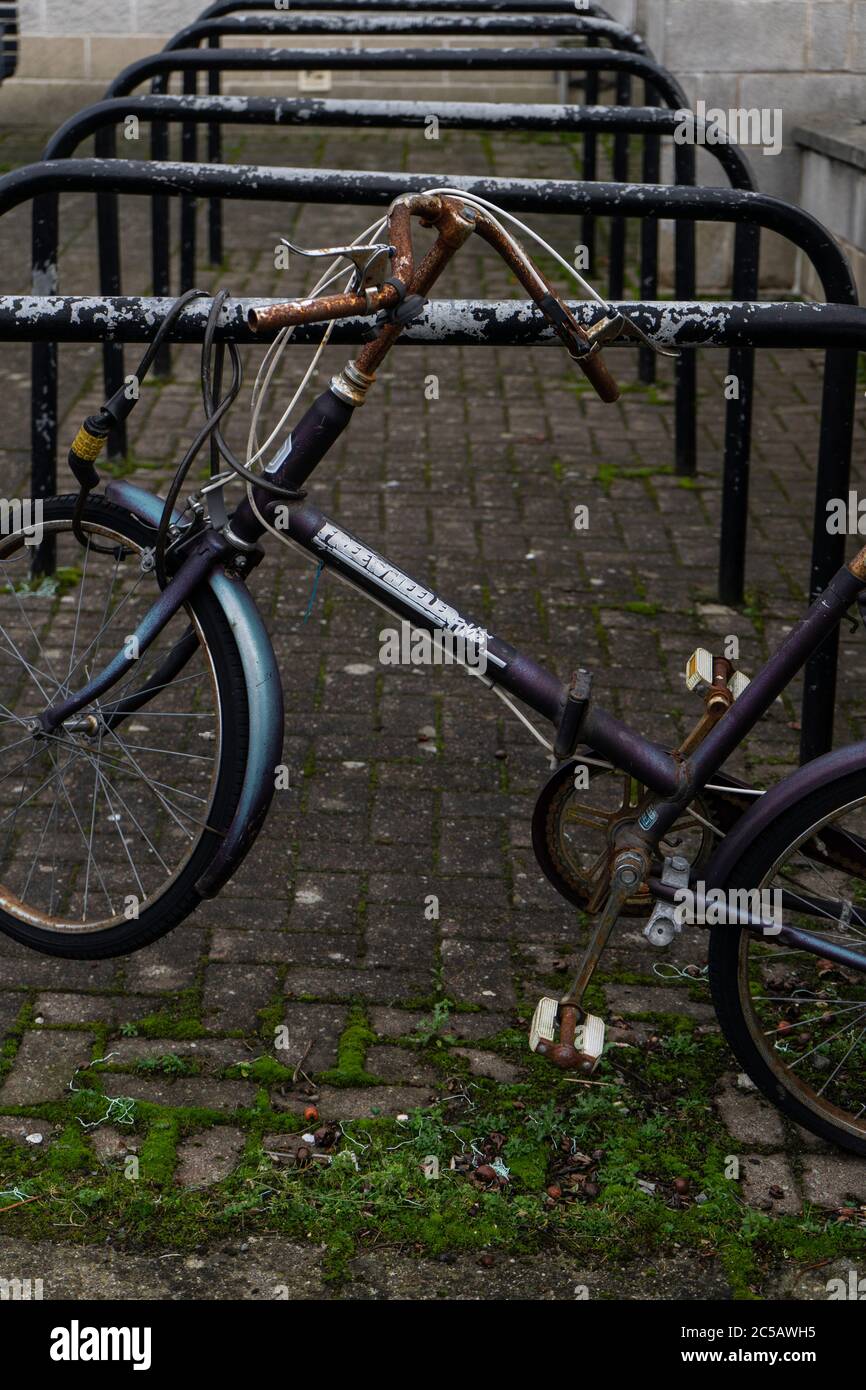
[[107, 824], [797, 1021]]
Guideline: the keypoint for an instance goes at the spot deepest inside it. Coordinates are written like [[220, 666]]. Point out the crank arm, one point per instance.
[[628, 875], [581, 1036]]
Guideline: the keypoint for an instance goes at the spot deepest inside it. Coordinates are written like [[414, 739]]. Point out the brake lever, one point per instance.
[[372, 262]]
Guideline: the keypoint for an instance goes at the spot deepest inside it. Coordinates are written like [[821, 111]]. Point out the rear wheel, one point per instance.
[[107, 824], [797, 1021]]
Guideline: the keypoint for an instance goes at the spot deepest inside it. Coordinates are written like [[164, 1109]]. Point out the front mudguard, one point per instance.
[[264, 699], [803, 783]]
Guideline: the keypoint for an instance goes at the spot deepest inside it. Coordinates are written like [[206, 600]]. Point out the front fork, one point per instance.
[[212, 549]]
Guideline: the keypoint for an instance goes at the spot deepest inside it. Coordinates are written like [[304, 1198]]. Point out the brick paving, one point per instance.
[[475, 491]]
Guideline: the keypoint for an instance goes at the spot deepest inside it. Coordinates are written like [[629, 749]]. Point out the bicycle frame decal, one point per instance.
[[394, 583]]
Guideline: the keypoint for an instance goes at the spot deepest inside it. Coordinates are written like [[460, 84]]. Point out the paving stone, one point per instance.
[[170, 964], [112, 1145], [312, 1036], [254, 1268], [406, 941], [475, 1027], [400, 1064], [811, 1141], [44, 1065], [25, 1131], [185, 1091], [26, 968], [478, 973], [360, 1102], [488, 1064], [233, 995], [652, 999], [749, 1118], [391, 1275], [763, 1177], [396, 1023], [834, 1180], [57, 1008], [380, 986], [208, 1155], [10, 1007]]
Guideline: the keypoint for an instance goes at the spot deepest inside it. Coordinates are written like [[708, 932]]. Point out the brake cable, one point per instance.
[[613, 314], [94, 431]]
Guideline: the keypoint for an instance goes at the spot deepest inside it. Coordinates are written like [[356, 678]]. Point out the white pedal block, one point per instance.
[[699, 669], [543, 1026], [738, 683], [589, 1038]]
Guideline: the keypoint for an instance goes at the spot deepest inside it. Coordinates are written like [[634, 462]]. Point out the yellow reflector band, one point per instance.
[[87, 446]]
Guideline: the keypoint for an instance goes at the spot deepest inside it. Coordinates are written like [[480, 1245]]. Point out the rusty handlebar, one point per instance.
[[454, 222]]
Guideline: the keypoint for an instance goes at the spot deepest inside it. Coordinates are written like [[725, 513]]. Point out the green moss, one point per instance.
[[71, 1152], [168, 1064], [266, 1070], [646, 610], [355, 1038], [158, 1152], [178, 1019]]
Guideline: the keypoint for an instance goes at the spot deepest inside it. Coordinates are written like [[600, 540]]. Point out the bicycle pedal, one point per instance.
[[543, 1026], [589, 1041], [556, 1035]]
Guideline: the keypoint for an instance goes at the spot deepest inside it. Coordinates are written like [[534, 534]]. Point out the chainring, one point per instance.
[[572, 827]]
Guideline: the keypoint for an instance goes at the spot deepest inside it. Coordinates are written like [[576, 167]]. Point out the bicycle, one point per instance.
[[128, 798]]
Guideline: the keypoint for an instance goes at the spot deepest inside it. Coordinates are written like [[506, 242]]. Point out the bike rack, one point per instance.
[[306, 112], [686, 203], [192, 60], [213, 30], [483, 9]]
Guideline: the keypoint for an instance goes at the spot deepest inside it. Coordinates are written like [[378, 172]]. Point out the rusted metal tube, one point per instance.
[[539, 287], [332, 306]]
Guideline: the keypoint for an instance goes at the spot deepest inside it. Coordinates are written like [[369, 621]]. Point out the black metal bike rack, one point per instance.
[[638, 65], [649, 121], [836, 327], [482, 9], [212, 31], [686, 203]]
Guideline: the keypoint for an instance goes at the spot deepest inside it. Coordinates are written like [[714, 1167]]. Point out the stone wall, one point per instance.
[[805, 58], [75, 47]]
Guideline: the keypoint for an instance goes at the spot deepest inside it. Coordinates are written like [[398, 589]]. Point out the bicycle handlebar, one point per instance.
[[454, 221]]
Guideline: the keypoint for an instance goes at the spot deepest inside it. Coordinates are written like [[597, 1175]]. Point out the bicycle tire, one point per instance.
[[180, 898], [726, 966]]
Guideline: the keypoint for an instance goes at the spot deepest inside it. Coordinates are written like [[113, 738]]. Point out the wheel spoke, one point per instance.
[[90, 814]]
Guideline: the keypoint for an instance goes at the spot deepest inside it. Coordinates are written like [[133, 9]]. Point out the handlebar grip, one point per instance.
[[596, 371]]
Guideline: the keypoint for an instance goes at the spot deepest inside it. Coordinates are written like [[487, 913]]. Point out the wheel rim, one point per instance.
[[98, 822], [805, 1015]]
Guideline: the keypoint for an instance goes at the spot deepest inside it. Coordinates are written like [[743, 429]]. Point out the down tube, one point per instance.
[[406, 598]]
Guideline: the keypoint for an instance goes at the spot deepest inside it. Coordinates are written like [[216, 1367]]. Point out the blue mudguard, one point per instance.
[[264, 699]]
